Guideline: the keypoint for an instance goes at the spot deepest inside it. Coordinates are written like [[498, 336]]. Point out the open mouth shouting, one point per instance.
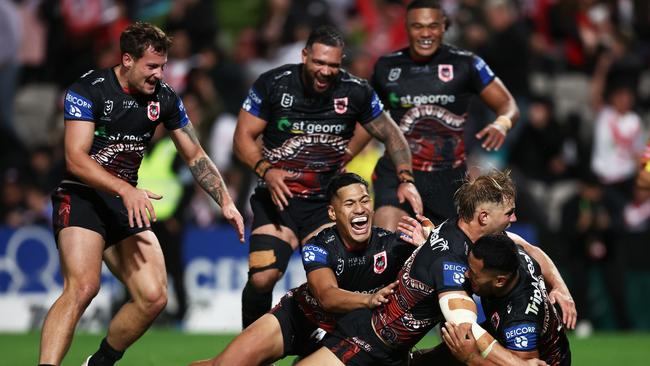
[[360, 225]]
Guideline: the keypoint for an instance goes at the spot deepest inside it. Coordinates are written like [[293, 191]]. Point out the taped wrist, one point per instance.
[[261, 167], [405, 176], [503, 124]]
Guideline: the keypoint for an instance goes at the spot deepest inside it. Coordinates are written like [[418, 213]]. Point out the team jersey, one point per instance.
[[366, 271], [307, 132], [124, 123], [437, 266], [429, 101], [525, 319]]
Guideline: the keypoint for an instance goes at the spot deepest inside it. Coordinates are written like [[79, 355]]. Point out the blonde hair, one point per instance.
[[494, 187]]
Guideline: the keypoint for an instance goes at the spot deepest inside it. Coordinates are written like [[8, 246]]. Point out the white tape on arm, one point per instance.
[[457, 308]]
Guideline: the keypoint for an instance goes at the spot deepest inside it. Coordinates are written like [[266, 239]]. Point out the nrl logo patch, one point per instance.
[[341, 105], [394, 73], [446, 72], [108, 107], [153, 110], [287, 100], [381, 262]]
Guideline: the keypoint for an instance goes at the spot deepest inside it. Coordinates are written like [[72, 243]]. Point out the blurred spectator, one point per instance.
[[590, 227], [197, 19], [618, 140], [12, 206], [10, 39]]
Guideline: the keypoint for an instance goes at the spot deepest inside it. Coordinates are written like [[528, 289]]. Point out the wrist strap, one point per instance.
[[405, 176], [261, 167], [503, 124]]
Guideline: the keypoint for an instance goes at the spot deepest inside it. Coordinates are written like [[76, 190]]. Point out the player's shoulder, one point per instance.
[[325, 238], [350, 80], [392, 58], [382, 235], [93, 79], [280, 74], [457, 51]]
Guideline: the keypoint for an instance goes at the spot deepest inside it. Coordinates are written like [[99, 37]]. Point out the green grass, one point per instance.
[[166, 347]]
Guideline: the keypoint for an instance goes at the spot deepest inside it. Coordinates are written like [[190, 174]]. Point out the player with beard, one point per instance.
[[349, 266], [305, 115], [519, 312], [427, 88], [430, 287], [99, 212]]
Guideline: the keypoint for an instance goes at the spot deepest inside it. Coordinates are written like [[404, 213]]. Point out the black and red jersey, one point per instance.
[[525, 319], [437, 266], [124, 123], [307, 132], [365, 271], [429, 101]]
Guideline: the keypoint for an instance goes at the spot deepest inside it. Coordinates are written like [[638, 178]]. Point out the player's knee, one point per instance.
[[267, 261], [152, 300], [265, 281], [82, 292]]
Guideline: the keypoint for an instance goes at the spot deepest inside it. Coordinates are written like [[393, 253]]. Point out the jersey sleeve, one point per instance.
[[78, 103], [522, 334], [315, 256], [371, 106], [178, 117], [375, 82], [481, 73], [257, 100]]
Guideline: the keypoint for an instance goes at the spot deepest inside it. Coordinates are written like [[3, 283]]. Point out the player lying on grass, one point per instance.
[[349, 266]]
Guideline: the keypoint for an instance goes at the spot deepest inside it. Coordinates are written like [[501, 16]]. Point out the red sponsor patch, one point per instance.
[[153, 110], [381, 262]]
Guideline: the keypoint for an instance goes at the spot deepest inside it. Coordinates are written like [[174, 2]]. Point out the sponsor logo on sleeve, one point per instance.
[[380, 263], [313, 253], [521, 337], [252, 102], [453, 273], [77, 106]]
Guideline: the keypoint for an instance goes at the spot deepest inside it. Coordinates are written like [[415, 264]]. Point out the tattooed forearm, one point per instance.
[[385, 130], [208, 177], [191, 133]]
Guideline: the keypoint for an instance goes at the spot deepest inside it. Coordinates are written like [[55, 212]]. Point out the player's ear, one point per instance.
[[305, 53], [501, 280], [483, 216], [331, 213], [127, 60]]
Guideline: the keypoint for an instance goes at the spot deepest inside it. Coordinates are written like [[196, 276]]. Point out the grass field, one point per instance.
[[172, 348]]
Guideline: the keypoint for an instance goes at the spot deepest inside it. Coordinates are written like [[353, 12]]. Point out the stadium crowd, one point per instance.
[[577, 70]]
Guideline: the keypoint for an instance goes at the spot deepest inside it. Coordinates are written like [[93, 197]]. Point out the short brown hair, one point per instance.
[[137, 38], [493, 187]]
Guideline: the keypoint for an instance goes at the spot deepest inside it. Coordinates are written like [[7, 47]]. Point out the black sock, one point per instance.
[[105, 355], [254, 304]]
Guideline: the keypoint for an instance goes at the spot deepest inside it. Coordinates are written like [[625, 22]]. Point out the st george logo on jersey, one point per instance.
[[341, 105], [381, 262], [446, 72], [153, 110]]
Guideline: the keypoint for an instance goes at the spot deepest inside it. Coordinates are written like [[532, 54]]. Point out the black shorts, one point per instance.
[[436, 188], [82, 206], [302, 215], [300, 336], [354, 342]]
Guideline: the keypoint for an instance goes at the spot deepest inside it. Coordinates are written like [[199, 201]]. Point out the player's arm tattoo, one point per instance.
[[208, 177], [204, 170], [188, 129], [385, 130]]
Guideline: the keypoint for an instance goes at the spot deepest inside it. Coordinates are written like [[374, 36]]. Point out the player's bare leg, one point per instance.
[[139, 263], [387, 217], [320, 358], [259, 344], [80, 251]]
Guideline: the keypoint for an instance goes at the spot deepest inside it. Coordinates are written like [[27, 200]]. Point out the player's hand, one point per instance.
[[414, 231], [381, 296], [494, 136], [231, 213], [408, 192], [460, 340], [138, 205], [568, 306], [535, 362], [274, 179]]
